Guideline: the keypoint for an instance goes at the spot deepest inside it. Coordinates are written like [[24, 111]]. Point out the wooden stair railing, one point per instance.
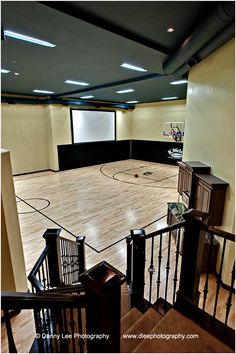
[[66, 316], [182, 255], [61, 262]]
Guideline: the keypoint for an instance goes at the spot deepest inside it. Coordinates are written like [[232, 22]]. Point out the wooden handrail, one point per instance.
[[221, 233], [39, 261], [19, 300], [165, 229]]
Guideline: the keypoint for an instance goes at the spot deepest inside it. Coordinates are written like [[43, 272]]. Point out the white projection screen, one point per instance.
[[89, 126]]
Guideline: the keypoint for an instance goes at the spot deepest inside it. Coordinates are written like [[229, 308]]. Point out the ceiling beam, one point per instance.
[[83, 15], [110, 84]]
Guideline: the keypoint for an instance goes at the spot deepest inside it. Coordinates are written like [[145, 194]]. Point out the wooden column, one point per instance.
[[193, 243], [137, 267], [102, 287], [13, 277]]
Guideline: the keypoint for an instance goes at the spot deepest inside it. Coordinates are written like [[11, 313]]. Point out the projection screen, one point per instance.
[[89, 126]]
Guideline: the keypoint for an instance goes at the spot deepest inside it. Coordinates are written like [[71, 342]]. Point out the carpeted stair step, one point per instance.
[[177, 324], [132, 337], [129, 319]]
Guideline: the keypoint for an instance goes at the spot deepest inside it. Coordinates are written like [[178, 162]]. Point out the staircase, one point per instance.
[[152, 332], [67, 299]]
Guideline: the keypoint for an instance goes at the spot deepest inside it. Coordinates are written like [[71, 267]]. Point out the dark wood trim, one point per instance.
[[220, 233]]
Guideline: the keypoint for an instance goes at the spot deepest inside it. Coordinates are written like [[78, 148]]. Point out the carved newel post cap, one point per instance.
[[102, 277], [137, 233], [51, 232], [195, 215]]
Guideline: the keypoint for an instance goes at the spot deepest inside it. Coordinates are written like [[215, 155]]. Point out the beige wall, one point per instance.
[[147, 120], [59, 132], [210, 130], [24, 133], [32, 133], [123, 125], [209, 125]]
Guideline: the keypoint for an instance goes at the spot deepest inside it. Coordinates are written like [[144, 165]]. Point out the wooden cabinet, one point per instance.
[[209, 197], [186, 181]]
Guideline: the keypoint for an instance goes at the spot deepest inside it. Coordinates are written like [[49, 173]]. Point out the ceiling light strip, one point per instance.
[[42, 91], [28, 39], [133, 67], [81, 83], [169, 98], [179, 82], [125, 91]]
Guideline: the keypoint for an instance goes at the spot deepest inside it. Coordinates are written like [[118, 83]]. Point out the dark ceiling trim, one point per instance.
[[83, 15], [110, 84], [18, 100]]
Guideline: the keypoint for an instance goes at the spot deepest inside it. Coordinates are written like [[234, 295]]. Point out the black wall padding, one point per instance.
[[88, 154], [157, 151]]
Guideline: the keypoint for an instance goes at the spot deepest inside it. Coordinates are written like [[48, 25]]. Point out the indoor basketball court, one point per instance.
[[101, 202]]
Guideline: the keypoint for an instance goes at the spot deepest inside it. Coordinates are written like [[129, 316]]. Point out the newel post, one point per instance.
[[137, 275], [81, 252], [54, 257], [103, 291], [193, 243]]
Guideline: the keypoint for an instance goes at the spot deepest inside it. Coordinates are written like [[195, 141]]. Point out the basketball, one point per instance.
[[136, 175]]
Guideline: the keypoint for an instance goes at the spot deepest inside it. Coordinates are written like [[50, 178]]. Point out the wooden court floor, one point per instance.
[[102, 203]]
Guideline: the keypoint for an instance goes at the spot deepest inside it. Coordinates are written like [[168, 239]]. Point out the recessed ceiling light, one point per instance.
[[76, 82], [84, 97], [125, 91], [17, 74], [5, 71], [132, 67], [170, 29], [28, 39], [43, 91], [179, 82], [132, 101], [169, 98]]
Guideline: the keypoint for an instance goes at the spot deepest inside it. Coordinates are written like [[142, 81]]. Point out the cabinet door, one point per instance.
[[206, 197], [198, 196], [202, 197], [188, 182], [181, 180]]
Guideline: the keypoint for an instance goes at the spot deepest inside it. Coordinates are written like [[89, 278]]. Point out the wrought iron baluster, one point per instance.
[[80, 326], [47, 273], [43, 275], [159, 268], [129, 252], [205, 291], [177, 253], [46, 329], [39, 329], [229, 301], [54, 324], [11, 342], [72, 324], [70, 262], [219, 280], [64, 261], [151, 270], [167, 270]]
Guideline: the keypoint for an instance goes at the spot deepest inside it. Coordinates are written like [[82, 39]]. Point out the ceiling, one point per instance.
[[93, 38]]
